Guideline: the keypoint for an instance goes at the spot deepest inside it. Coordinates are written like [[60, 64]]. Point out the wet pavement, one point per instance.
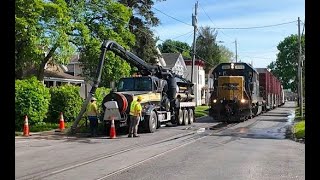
[[274, 124]]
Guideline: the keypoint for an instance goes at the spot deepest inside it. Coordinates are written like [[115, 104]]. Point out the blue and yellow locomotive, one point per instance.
[[235, 95]]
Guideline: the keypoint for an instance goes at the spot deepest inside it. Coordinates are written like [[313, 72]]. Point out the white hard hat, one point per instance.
[[93, 99]]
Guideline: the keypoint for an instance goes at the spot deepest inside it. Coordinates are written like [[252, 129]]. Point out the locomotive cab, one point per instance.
[[235, 90]]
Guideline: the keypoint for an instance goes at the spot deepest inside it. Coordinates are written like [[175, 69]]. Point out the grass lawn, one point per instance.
[[299, 128], [201, 111]]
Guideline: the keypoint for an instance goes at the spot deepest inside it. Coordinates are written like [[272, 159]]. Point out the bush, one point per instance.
[[299, 129], [32, 99], [65, 99], [100, 93], [42, 126]]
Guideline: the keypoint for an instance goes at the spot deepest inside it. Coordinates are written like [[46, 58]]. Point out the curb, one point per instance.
[[40, 133], [55, 131]]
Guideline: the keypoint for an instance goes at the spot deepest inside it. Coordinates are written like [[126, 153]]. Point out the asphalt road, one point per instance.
[[255, 149]]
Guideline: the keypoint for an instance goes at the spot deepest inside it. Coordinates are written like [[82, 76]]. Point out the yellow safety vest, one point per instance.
[[92, 109], [135, 108]]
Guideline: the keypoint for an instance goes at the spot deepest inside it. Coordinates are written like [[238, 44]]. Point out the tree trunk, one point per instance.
[[44, 62]]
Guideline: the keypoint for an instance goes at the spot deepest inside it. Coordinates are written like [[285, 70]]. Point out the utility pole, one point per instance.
[[300, 85], [235, 42], [194, 24]]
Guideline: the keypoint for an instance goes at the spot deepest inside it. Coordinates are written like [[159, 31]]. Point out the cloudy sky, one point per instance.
[[255, 45]]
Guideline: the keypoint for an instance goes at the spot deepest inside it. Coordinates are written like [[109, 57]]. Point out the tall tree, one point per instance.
[[207, 48], [41, 34], [141, 21], [285, 67], [171, 46], [96, 21], [226, 54], [55, 29]]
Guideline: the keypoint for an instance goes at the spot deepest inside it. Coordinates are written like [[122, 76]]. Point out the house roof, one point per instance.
[[53, 74], [62, 75], [170, 59]]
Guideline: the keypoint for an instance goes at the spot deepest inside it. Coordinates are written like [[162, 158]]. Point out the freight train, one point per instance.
[[240, 92]]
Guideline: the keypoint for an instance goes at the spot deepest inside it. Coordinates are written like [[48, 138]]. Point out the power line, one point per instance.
[[146, 33], [256, 27], [182, 35], [188, 37], [177, 46], [171, 16], [213, 23], [257, 57]]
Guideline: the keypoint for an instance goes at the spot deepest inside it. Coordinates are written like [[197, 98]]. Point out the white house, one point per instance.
[[175, 62], [198, 79], [74, 67]]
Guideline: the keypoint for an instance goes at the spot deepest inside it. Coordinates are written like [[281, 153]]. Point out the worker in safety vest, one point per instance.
[[135, 115], [92, 113]]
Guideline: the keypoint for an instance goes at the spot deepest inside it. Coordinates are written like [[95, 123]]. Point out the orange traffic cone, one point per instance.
[[61, 126], [112, 130], [26, 127]]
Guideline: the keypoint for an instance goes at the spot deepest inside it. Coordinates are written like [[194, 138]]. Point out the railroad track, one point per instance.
[[181, 139]]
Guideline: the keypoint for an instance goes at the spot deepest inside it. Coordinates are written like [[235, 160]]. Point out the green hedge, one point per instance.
[[32, 99], [65, 99]]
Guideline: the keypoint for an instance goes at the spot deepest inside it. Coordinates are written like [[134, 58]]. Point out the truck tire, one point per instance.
[[151, 122], [185, 117], [191, 116], [180, 117]]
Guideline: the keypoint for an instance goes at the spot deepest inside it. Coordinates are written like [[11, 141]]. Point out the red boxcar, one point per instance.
[[270, 89]]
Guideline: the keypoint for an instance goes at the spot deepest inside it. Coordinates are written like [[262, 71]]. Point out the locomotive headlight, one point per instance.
[[232, 66], [214, 101], [242, 100]]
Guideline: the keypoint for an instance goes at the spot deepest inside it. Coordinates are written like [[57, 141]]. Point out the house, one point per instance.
[[200, 87], [74, 67], [182, 67], [175, 62], [57, 75]]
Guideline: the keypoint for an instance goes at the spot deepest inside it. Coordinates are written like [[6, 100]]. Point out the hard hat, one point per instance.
[[139, 98], [93, 99]]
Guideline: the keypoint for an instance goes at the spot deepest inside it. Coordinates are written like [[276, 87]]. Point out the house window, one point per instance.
[[48, 83]]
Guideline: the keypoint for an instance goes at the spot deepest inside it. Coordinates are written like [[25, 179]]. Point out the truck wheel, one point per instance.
[[151, 122], [158, 124], [191, 117], [180, 117], [185, 117]]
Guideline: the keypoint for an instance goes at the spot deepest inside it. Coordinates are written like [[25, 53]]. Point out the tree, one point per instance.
[[95, 22], [140, 23], [226, 54], [207, 48], [285, 66], [41, 34], [56, 29], [171, 46]]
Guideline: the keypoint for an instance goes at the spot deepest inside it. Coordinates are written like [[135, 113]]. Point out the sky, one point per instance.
[[257, 46]]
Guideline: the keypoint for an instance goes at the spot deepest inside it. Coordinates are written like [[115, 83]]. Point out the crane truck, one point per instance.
[[167, 97]]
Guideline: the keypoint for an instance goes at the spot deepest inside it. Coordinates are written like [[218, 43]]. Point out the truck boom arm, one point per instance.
[[144, 68]]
